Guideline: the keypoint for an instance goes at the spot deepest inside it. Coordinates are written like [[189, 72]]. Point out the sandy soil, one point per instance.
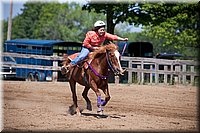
[[43, 106]]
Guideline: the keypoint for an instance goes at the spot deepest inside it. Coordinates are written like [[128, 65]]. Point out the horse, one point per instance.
[[95, 76]]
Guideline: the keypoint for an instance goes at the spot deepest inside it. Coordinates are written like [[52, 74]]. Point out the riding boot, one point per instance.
[[63, 70], [70, 68], [70, 73]]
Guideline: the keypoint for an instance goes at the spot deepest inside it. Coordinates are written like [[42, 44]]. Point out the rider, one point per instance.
[[93, 41]]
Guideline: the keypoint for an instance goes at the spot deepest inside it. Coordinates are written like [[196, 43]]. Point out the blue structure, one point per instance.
[[136, 49], [39, 47]]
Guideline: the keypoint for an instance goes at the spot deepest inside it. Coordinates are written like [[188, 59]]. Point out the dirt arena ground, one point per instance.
[[43, 106]]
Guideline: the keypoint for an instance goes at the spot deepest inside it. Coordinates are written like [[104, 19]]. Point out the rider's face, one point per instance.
[[101, 31]]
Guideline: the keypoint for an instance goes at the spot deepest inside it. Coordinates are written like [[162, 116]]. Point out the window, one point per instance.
[[70, 48], [55, 47], [60, 47], [48, 48], [65, 48]]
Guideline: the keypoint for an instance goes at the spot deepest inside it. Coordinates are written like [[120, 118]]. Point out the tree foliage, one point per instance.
[[52, 20], [119, 12], [171, 27], [174, 25]]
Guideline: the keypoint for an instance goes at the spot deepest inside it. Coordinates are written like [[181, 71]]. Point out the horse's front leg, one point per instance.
[[98, 94], [107, 96]]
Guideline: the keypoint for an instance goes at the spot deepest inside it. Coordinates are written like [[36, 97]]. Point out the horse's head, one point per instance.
[[113, 59]]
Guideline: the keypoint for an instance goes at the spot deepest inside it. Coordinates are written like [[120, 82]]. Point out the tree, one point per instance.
[[27, 21], [64, 21], [24, 24], [52, 20], [119, 12], [174, 25]]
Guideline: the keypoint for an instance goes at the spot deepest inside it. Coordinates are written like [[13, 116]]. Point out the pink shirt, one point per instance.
[[93, 39]]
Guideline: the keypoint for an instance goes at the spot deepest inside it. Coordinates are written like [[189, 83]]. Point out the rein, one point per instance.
[[96, 73], [124, 49]]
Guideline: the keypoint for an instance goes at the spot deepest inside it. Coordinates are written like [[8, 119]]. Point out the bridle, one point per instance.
[[109, 64]]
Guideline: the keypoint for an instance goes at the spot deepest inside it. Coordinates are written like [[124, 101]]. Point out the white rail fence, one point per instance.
[[151, 70], [139, 70]]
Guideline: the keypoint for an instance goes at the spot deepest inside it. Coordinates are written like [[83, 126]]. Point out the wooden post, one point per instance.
[[130, 72], [183, 75], [171, 75], [165, 75], [138, 74], [151, 74], [192, 76], [116, 80], [179, 74], [156, 74], [10, 22], [177, 70], [142, 73], [55, 73]]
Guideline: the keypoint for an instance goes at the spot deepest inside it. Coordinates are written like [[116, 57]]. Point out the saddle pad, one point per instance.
[[73, 56]]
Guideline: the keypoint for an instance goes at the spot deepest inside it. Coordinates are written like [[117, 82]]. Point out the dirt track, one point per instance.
[[43, 106]]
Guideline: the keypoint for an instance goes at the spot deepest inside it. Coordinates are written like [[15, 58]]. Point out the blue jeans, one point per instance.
[[82, 55]]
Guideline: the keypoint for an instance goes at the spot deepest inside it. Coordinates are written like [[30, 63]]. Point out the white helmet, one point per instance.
[[99, 23]]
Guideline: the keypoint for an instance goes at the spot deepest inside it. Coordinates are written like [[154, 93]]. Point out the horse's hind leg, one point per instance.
[[74, 97], [84, 94]]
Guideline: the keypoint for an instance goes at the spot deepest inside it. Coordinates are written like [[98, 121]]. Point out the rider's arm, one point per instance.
[[114, 37], [122, 39]]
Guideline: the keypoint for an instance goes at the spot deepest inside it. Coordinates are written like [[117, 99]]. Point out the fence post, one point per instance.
[[192, 76], [156, 73], [151, 74], [55, 73], [165, 75], [184, 75], [177, 70], [171, 75], [130, 72], [142, 73], [138, 74], [179, 74], [116, 80]]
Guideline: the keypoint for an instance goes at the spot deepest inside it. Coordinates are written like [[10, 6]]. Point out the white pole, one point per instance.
[[10, 22]]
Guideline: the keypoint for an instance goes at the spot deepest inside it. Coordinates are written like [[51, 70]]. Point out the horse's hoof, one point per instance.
[[72, 110], [100, 111], [89, 107], [78, 114]]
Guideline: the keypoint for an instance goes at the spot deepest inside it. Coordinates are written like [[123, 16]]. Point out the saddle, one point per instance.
[[83, 63]]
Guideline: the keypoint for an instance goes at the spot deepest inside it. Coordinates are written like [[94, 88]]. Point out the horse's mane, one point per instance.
[[102, 49]]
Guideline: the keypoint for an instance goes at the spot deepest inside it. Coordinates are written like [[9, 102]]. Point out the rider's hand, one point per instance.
[[125, 39]]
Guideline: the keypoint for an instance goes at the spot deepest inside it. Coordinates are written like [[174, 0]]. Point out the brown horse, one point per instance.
[[95, 76]]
